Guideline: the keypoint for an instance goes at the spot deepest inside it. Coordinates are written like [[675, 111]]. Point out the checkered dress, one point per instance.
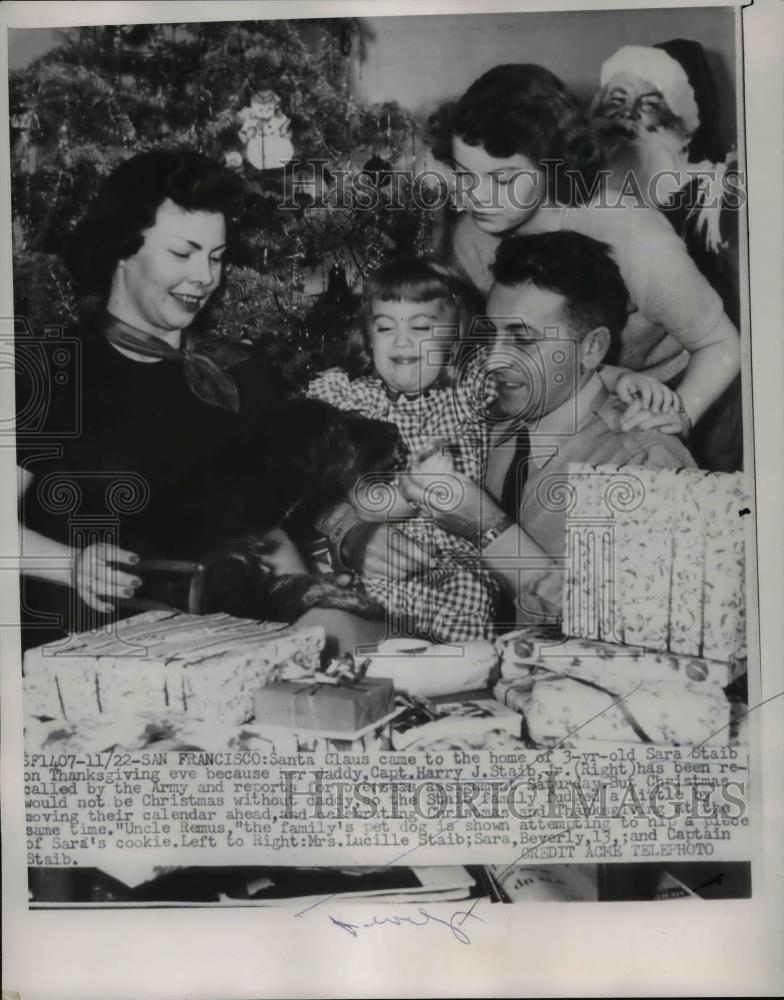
[[455, 597]]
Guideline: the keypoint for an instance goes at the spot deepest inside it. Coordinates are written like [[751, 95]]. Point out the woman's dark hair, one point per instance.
[[575, 266], [413, 279], [524, 109], [127, 204]]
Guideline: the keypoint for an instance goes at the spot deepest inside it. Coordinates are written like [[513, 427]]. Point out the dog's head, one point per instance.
[[322, 452]]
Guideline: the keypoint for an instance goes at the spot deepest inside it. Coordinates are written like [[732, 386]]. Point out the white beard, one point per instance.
[[657, 159]]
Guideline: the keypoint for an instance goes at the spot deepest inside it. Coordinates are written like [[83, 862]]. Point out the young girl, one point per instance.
[[412, 314], [413, 317], [524, 161]]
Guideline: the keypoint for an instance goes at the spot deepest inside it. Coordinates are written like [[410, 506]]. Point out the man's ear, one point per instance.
[[593, 347]]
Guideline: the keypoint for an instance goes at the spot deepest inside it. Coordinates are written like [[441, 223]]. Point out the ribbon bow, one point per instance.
[[204, 363]]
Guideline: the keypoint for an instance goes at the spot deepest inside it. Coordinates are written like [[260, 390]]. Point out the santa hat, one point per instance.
[[706, 142], [681, 72], [664, 71]]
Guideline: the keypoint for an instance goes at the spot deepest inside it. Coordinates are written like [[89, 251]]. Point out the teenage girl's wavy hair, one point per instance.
[[523, 109], [127, 204], [414, 279]]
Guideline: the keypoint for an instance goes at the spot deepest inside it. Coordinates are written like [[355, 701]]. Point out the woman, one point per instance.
[[524, 162], [150, 406]]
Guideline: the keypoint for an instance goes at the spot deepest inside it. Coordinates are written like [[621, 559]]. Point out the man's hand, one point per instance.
[[383, 550], [456, 503]]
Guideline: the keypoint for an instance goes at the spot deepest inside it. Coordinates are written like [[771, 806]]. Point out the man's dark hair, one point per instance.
[[521, 109], [128, 202], [575, 266]]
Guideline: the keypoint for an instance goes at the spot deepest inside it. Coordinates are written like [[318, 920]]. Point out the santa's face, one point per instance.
[[635, 104], [640, 136]]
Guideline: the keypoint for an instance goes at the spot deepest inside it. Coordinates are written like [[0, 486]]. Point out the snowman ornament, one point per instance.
[[265, 132]]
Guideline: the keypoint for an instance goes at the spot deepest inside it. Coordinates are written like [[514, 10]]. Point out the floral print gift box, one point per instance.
[[656, 558]]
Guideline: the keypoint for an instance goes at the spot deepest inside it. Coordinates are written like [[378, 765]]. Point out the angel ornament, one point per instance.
[[265, 132]]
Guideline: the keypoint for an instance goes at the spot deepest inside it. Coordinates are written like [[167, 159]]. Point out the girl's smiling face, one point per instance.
[[410, 342], [500, 193], [170, 278]]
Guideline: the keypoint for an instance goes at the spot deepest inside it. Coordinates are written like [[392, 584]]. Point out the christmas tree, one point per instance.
[[271, 99]]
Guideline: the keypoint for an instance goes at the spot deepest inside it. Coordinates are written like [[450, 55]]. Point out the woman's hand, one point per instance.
[[97, 579]]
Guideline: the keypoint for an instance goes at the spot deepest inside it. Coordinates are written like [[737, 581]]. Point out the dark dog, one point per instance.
[[307, 458], [320, 452]]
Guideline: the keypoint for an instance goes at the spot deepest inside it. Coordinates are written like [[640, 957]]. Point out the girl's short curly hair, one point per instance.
[[521, 108], [128, 201]]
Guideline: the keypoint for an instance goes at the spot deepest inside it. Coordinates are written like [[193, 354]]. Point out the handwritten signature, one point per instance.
[[454, 923]]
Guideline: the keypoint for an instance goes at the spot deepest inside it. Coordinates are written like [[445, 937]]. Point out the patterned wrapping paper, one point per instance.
[[165, 731], [554, 705], [526, 652], [554, 683], [207, 665], [656, 713], [684, 613], [159, 731], [677, 577]]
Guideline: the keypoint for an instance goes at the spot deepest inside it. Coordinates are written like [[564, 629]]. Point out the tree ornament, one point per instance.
[[233, 160], [378, 170], [24, 122], [311, 184], [345, 39], [337, 293], [265, 131], [18, 235]]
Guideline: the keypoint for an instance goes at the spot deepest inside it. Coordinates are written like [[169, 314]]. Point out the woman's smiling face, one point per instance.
[[169, 280], [410, 342]]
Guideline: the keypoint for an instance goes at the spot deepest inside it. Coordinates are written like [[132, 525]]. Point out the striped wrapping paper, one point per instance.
[[656, 558], [209, 666]]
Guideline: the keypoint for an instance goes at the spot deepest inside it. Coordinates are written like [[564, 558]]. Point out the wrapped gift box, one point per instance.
[[618, 667], [459, 719], [208, 665], [656, 558], [560, 706], [156, 731], [324, 708], [429, 670]]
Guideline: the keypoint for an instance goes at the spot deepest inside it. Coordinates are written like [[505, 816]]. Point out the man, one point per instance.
[[657, 119], [556, 307]]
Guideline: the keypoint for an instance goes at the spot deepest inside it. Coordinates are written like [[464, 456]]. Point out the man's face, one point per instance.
[[536, 354], [632, 103]]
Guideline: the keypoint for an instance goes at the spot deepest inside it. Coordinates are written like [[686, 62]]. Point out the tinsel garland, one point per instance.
[[106, 93]]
